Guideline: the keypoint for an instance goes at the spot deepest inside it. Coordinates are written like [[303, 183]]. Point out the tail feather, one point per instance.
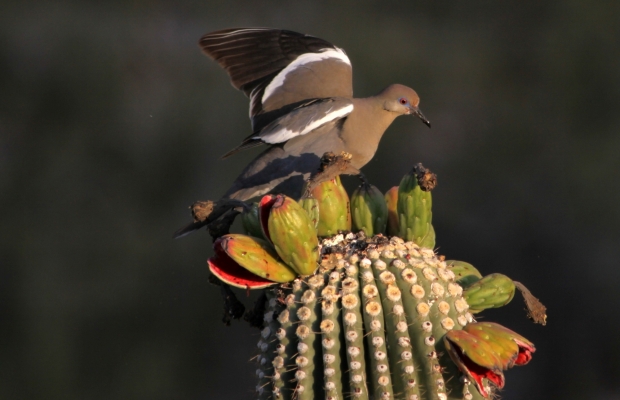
[[186, 230], [247, 144]]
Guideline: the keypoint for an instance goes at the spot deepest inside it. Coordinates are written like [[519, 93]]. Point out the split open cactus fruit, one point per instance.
[[362, 315], [254, 256]]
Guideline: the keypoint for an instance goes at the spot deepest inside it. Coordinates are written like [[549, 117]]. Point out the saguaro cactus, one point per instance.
[[369, 317]]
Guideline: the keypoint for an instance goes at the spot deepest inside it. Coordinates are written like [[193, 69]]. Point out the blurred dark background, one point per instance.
[[112, 122]]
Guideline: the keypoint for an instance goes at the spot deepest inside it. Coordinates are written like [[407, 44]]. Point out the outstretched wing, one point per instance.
[[302, 120], [276, 67]]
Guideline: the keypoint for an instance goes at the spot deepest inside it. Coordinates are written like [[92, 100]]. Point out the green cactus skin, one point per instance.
[[400, 355], [414, 209], [391, 200], [369, 211], [430, 294], [492, 291], [465, 273], [354, 333], [309, 362], [251, 223], [284, 373], [334, 213], [268, 347], [330, 336], [311, 205], [400, 298], [293, 235]]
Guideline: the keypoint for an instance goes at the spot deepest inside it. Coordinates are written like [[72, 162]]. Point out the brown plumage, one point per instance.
[[301, 105]]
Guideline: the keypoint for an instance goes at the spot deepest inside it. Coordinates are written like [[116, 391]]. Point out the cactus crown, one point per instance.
[[361, 315]]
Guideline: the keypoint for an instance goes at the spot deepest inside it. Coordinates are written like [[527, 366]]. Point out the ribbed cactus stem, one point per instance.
[[375, 322], [287, 343], [387, 271], [308, 361], [428, 293], [330, 339], [267, 346], [379, 379], [353, 332]]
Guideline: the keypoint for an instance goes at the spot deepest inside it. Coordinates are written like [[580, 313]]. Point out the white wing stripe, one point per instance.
[[302, 59], [283, 134]]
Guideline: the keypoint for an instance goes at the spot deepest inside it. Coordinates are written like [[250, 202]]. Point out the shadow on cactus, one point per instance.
[[358, 305]]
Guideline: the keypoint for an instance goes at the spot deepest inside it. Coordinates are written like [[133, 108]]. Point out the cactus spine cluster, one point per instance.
[[362, 315]]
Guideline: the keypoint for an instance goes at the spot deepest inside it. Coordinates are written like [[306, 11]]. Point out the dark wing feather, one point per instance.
[[254, 56], [294, 120]]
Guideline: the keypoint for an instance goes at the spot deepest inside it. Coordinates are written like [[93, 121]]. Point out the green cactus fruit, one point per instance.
[[466, 274], [251, 222], [311, 205], [293, 235], [257, 256], [334, 213], [475, 358], [229, 271], [391, 200], [415, 203], [429, 239], [369, 211], [512, 348], [492, 291]]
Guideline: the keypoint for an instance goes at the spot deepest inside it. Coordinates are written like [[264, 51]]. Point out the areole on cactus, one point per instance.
[[362, 315]]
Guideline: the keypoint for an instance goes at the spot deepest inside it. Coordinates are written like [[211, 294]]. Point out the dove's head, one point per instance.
[[402, 100]]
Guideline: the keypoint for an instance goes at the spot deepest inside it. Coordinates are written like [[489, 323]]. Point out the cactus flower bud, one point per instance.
[[247, 262], [492, 291], [334, 214], [369, 211], [512, 348], [415, 203], [292, 233], [391, 199], [475, 358]]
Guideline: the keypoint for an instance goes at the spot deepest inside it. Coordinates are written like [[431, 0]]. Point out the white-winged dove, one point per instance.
[[301, 105]]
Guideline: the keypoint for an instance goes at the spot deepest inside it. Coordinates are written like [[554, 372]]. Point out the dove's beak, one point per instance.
[[416, 111]]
